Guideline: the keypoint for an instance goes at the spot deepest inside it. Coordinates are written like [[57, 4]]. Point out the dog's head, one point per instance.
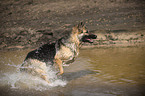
[[83, 34]]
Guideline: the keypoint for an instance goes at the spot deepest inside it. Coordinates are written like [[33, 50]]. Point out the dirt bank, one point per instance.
[[31, 23]]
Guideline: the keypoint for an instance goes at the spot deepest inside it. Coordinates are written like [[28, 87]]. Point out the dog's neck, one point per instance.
[[71, 41], [74, 39]]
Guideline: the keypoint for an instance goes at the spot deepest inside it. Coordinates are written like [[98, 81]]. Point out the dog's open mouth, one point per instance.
[[89, 38]]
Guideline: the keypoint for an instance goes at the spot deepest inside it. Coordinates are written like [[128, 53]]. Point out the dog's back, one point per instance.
[[45, 53]]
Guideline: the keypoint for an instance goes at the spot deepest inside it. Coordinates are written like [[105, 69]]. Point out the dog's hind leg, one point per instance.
[[42, 74]]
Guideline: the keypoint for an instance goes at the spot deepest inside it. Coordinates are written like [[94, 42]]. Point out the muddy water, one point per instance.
[[96, 72]]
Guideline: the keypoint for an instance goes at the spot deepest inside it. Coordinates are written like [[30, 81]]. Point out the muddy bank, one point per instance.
[[31, 23]]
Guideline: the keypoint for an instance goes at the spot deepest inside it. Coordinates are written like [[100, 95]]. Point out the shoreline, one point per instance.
[[104, 40]]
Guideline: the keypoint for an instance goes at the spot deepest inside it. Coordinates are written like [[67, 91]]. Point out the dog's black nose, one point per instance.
[[95, 36], [92, 36]]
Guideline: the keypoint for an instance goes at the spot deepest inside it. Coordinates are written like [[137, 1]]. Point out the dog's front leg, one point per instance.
[[59, 63]]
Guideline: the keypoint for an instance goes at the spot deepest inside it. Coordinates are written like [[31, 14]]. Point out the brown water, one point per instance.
[[96, 72]]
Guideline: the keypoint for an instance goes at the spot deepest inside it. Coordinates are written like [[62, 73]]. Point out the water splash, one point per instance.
[[24, 80]]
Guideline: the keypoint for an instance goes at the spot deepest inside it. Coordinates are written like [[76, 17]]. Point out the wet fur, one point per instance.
[[63, 51]]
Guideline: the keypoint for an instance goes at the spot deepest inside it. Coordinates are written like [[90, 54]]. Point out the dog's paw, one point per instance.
[[60, 73]]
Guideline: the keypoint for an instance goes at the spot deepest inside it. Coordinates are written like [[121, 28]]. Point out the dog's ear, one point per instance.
[[81, 24], [76, 28]]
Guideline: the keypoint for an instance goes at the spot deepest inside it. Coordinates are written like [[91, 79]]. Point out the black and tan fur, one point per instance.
[[63, 51]]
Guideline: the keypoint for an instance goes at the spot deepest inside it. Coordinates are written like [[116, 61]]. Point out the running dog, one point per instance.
[[63, 51]]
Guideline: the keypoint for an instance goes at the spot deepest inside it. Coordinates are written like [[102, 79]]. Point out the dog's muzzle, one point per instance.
[[89, 38]]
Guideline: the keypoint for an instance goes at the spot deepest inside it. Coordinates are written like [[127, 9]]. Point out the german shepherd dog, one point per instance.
[[63, 51]]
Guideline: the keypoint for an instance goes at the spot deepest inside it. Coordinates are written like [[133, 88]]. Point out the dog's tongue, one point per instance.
[[90, 40]]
